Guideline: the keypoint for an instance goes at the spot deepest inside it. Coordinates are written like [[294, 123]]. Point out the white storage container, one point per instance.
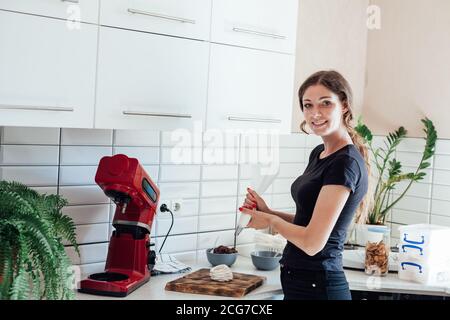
[[424, 255]]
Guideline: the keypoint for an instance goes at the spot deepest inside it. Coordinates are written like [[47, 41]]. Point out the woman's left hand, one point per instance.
[[259, 220]]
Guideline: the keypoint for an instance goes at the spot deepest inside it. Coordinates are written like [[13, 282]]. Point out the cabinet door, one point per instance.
[[184, 18], [47, 72], [262, 24], [150, 81], [80, 10], [250, 89]]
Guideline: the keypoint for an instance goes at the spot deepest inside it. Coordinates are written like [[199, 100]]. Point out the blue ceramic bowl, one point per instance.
[[266, 260], [220, 258]]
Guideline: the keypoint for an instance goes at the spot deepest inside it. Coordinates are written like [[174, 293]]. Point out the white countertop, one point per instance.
[[358, 280]]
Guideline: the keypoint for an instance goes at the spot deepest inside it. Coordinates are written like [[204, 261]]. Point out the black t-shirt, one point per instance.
[[344, 167]]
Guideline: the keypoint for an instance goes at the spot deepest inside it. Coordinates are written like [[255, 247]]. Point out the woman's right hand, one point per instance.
[[253, 200]]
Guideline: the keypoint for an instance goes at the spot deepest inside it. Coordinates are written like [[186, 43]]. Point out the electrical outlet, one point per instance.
[[176, 205], [168, 203]]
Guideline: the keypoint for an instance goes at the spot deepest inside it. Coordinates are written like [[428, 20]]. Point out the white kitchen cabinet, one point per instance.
[[249, 89], [72, 10], [148, 81], [183, 18], [47, 72], [262, 24]]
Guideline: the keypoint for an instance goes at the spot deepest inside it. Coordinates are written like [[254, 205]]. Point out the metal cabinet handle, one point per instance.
[[412, 247], [161, 16], [73, 1], [258, 33], [34, 108], [232, 118], [157, 114], [403, 264], [413, 242]]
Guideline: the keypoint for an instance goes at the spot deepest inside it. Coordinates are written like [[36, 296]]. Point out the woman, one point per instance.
[[327, 195]]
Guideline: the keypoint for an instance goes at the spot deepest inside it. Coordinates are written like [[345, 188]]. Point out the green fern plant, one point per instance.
[[33, 263], [390, 169]]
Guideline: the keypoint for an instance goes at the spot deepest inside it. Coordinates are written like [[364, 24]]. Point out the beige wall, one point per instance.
[[408, 67], [332, 34]]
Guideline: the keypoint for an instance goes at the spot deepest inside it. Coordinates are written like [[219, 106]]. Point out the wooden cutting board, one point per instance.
[[200, 282]]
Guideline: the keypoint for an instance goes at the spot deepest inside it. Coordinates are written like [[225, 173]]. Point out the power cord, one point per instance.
[[164, 208]]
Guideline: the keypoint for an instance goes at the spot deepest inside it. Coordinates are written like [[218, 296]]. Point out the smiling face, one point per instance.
[[322, 110]]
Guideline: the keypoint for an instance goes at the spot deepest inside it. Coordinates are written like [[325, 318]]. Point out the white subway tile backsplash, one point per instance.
[[189, 207], [412, 145], [414, 204], [77, 175], [219, 188], [440, 207], [408, 217], [442, 162], [29, 135], [428, 178], [283, 201], [79, 195], [136, 138], [443, 147], [214, 239], [204, 178], [46, 190], [254, 140], [31, 176], [219, 155], [312, 141], [293, 140], [440, 220], [81, 137], [178, 243], [28, 155], [152, 171], [145, 155], [92, 233], [88, 214], [244, 184], [410, 159], [181, 225], [220, 139], [177, 155], [264, 156], [217, 172], [181, 138], [89, 253], [282, 185], [171, 173], [291, 170], [441, 192], [442, 177], [217, 205], [83, 155], [216, 222], [290, 155], [417, 189], [179, 190], [90, 268]]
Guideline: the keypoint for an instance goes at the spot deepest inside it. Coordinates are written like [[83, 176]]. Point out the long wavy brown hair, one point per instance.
[[336, 83]]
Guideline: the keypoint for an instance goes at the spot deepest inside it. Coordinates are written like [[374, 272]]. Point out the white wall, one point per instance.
[[332, 34], [408, 69]]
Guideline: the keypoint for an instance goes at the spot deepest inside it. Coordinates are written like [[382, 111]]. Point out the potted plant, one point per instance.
[[33, 262], [389, 174]]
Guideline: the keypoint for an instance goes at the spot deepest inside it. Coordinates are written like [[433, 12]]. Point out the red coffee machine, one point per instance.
[[130, 259]]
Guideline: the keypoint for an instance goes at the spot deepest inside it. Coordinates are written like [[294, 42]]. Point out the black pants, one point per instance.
[[314, 285]]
